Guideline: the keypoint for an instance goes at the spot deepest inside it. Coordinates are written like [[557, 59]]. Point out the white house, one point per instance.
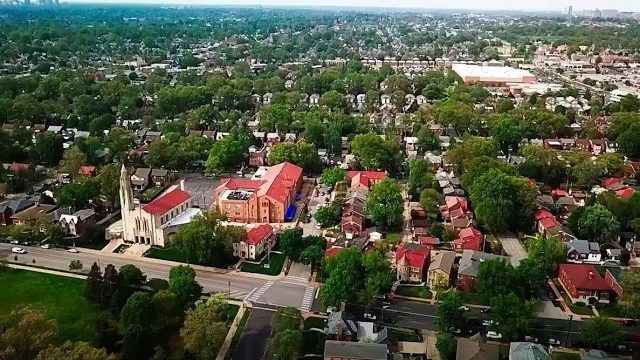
[[259, 240]]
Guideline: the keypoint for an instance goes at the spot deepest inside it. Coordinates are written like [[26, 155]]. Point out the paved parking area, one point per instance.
[[514, 248], [201, 189], [315, 198]]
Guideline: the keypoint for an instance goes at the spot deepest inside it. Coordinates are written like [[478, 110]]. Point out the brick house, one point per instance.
[[469, 238], [411, 261], [469, 266], [583, 283]]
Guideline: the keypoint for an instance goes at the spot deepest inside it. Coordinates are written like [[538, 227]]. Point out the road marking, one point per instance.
[[307, 299], [292, 283], [258, 293]]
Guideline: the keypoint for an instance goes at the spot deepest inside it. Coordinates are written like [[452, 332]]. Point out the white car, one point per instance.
[[18, 250], [553, 342], [464, 308], [46, 246], [494, 335], [73, 250], [531, 339], [454, 330], [487, 322], [370, 316]]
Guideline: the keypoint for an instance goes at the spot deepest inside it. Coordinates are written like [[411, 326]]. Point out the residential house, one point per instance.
[[341, 326], [87, 170], [411, 262], [258, 241], [273, 138], [613, 183], [469, 238], [10, 207], [31, 214], [346, 350], [270, 199], [365, 179], [625, 193], [583, 283], [547, 224], [258, 157], [353, 217], [140, 178], [580, 251], [476, 348], [159, 177], [527, 351], [612, 277], [439, 272], [79, 222], [469, 265], [17, 167]]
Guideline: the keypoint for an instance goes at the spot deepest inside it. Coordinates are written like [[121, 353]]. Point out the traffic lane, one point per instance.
[[255, 336], [284, 293]]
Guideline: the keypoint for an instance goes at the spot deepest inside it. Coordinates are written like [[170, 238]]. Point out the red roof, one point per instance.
[[584, 276], [559, 192], [609, 182], [469, 238], [416, 255], [240, 183], [166, 202], [428, 240], [365, 178], [549, 223], [15, 167], [454, 202], [86, 170], [258, 234], [543, 214], [626, 193], [279, 181], [332, 251]]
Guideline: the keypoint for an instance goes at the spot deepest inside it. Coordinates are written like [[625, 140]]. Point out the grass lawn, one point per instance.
[[275, 265], [238, 334], [409, 336], [472, 298], [414, 291], [170, 253], [560, 355], [394, 238], [611, 310], [232, 310], [314, 322], [60, 298], [151, 193]]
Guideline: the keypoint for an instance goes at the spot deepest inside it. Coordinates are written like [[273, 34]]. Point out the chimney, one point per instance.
[[343, 306], [340, 331], [590, 274], [182, 184]]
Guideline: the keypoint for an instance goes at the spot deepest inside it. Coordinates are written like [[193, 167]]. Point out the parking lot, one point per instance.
[[201, 189]]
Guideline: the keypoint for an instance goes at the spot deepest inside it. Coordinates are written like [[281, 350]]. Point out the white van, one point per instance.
[[18, 250]]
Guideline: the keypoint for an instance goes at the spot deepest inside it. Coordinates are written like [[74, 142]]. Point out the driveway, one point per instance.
[[513, 247], [255, 337], [315, 198]]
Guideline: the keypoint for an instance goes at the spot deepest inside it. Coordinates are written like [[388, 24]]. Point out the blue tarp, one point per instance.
[[298, 197], [291, 212]]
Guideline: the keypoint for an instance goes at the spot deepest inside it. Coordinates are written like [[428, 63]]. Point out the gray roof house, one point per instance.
[[339, 350], [341, 325], [476, 348], [471, 259], [527, 351]]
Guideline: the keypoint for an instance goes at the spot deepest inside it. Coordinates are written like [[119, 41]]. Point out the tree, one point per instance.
[[455, 113], [119, 141], [548, 251], [507, 133], [230, 151], [182, 283], [385, 205], [333, 100], [24, 332], [430, 201], [78, 194], [427, 141], [629, 141], [205, 241], [447, 346], [330, 215], [449, 313], [93, 285], [495, 278], [75, 265], [109, 178], [420, 176], [594, 222], [630, 282], [74, 351], [72, 160], [286, 345], [505, 105], [478, 166], [331, 176], [344, 277], [110, 288], [204, 328], [166, 308], [511, 316], [601, 333], [379, 279], [287, 318], [470, 148], [137, 311], [291, 243], [373, 152], [47, 149], [314, 133], [531, 277], [131, 280], [301, 153], [312, 255]]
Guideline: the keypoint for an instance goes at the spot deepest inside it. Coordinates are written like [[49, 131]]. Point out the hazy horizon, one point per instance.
[[539, 5]]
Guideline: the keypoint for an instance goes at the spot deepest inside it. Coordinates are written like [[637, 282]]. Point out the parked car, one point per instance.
[[487, 322], [455, 330], [531, 339], [464, 308], [630, 323], [553, 342], [18, 250], [486, 311], [46, 246], [369, 316], [494, 335], [73, 250], [15, 242]]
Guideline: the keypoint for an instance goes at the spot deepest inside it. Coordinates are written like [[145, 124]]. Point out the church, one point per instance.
[[155, 222]]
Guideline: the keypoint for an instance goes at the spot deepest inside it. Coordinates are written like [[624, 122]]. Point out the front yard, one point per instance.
[[171, 253], [414, 291], [275, 265], [59, 298], [561, 355]]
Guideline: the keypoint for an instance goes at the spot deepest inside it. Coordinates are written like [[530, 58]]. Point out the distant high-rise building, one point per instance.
[[570, 10]]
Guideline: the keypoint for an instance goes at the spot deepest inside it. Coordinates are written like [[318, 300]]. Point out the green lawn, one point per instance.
[[414, 291], [275, 265], [170, 253], [151, 193], [408, 336], [60, 298], [394, 238], [560, 355], [611, 310], [472, 298], [315, 322]]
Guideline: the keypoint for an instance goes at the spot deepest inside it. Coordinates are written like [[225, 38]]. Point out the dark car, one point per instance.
[[486, 311], [630, 323]]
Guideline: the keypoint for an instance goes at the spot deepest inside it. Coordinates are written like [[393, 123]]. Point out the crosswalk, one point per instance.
[[253, 297], [307, 299]]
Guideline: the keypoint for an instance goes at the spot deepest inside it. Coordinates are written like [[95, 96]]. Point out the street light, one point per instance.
[[566, 339]]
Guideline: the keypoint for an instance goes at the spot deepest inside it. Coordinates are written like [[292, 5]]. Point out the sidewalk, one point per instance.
[[46, 271], [232, 330]]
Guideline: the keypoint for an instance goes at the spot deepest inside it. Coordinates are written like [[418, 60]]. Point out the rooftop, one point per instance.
[[355, 351], [166, 202]]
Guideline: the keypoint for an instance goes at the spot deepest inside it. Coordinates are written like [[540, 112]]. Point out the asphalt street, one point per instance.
[[282, 292], [253, 343]]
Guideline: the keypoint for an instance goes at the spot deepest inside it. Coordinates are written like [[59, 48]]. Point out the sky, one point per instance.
[[553, 5]]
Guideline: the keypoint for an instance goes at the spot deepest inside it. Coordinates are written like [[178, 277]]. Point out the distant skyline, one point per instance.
[[538, 5]]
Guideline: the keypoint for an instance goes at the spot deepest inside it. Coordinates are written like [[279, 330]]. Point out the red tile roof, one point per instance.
[[240, 183], [429, 240], [365, 178], [584, 276], [543, 214], [15, 167], [86, 170], [455, 202], [415, 256], [610, 182], [258, 234], [469, 238], [332, 251], [279, 181], [559, 192], [626, 193], [549, 223], [166, 202]]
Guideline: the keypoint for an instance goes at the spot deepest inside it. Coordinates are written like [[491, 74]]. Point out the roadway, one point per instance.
[[261, 290]]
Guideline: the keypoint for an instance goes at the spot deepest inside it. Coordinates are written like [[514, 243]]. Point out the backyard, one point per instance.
[[276, 261], [60, 298]]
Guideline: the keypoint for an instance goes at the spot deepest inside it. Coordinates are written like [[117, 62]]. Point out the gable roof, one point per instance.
[[412, 254], [471, 259], [279, 181], [443, 260], [257, 234], [365, 178], [584, 276], [527, 351], [476, 348], [166, 202]]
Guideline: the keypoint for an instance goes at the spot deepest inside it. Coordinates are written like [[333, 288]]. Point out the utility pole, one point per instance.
[[566, 339], [229, 283]]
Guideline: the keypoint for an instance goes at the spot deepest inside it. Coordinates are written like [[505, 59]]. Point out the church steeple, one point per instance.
[[126, 193]]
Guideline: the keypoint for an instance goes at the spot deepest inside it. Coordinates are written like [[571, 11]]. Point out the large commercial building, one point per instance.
[[268, 199], [492, 75]]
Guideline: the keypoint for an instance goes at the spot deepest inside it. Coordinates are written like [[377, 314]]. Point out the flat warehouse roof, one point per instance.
[[491, 73]]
